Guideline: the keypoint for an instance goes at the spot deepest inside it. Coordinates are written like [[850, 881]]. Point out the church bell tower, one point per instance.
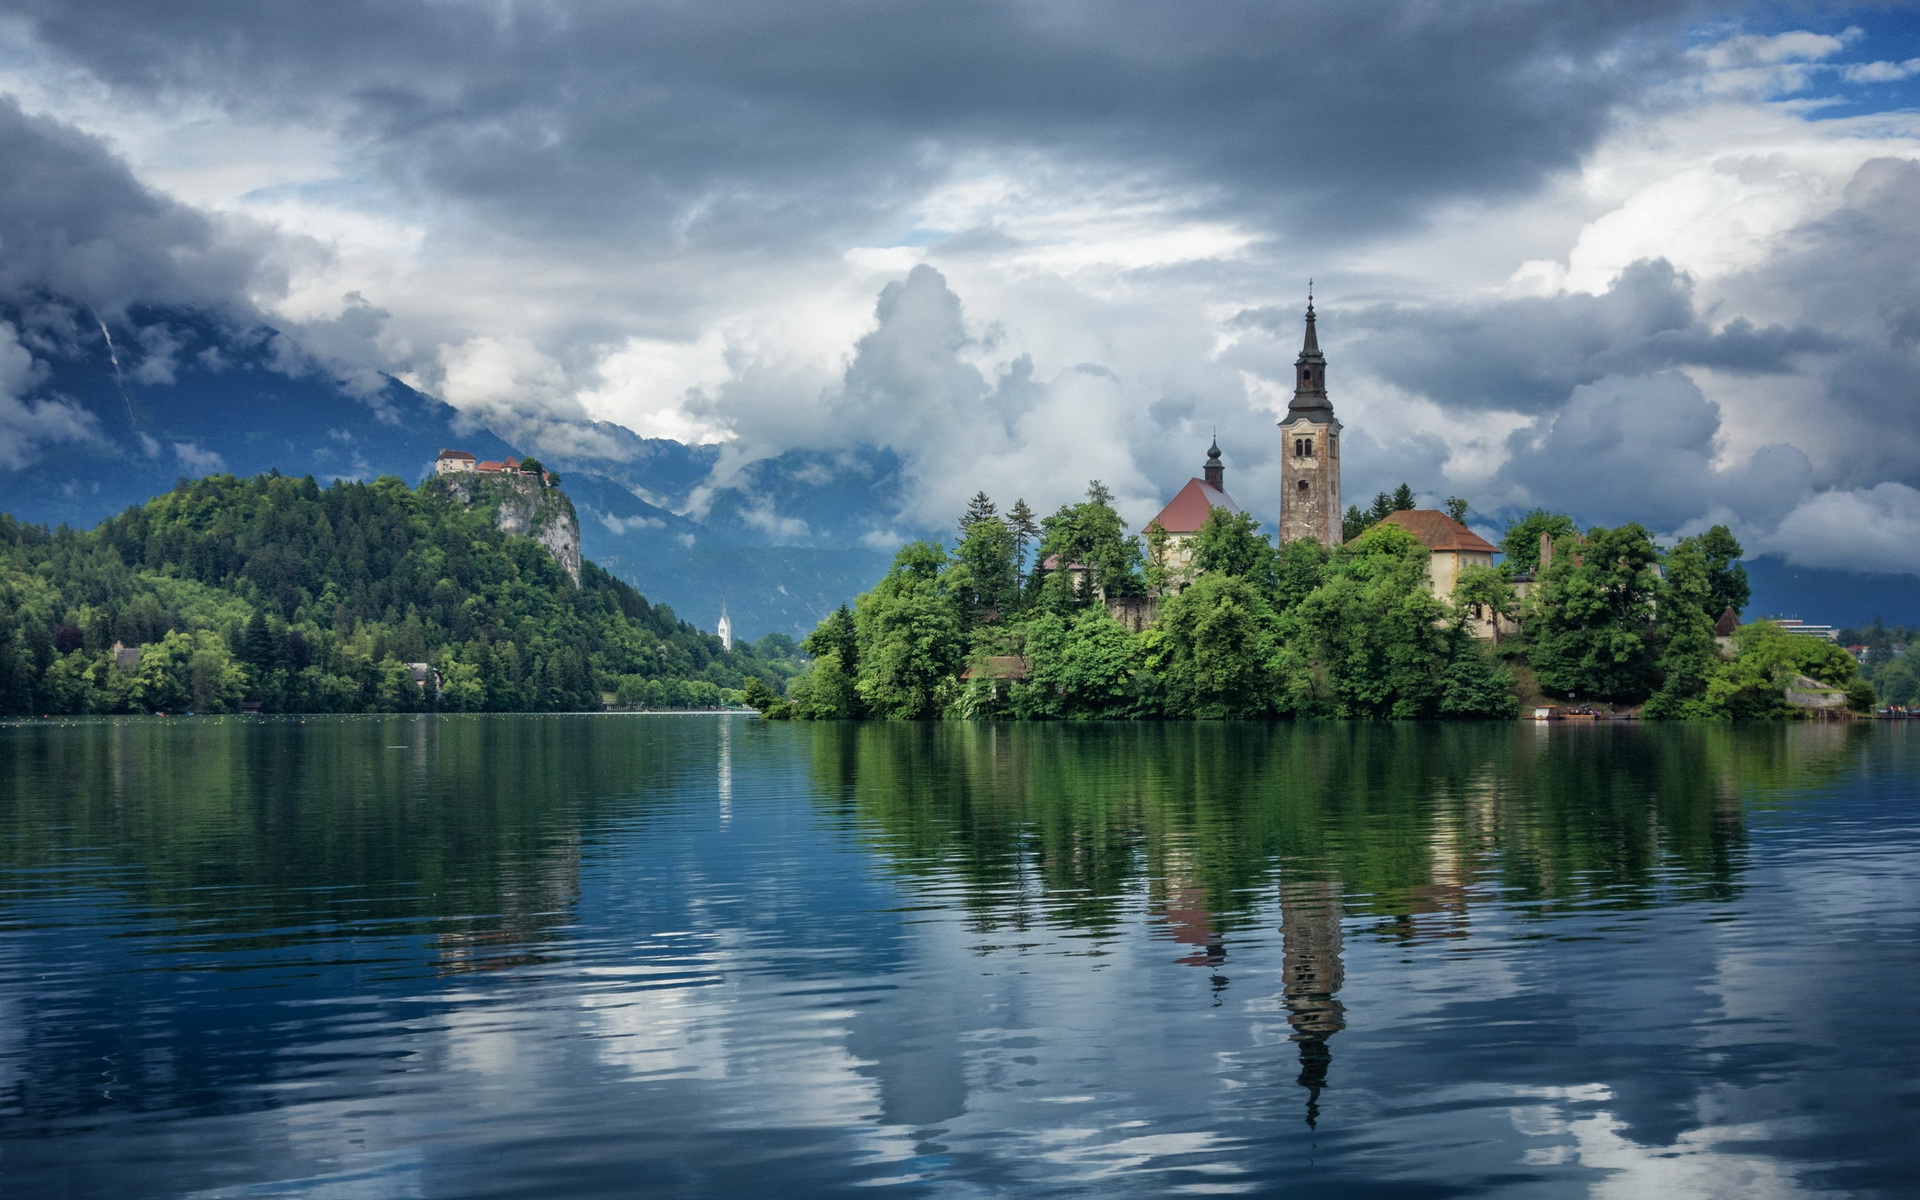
[[1310, 451]]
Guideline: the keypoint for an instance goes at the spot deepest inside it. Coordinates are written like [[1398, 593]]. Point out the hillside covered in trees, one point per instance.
[[357, 597], [1018, 620]]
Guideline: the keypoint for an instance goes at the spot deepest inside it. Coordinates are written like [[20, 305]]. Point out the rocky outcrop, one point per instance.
[[524, 506]]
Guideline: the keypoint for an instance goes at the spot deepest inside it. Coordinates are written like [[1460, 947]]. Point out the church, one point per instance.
[[1310, 490]]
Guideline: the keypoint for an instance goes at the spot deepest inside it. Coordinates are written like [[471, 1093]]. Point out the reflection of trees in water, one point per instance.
[[1407, 827], [454, 843], [1066, 824]]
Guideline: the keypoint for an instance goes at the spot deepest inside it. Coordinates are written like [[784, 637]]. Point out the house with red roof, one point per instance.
[[1184, 515], [454, 462], [1451, 548]]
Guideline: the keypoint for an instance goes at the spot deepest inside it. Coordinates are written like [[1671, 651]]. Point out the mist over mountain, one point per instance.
[[158, 394], [118, 410]]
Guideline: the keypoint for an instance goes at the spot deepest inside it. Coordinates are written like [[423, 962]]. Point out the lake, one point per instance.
[[710, 956]]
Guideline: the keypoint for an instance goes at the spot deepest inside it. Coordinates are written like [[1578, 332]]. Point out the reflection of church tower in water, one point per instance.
[[1311, 975]]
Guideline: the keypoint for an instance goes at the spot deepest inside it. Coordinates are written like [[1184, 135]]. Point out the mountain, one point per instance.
[[1827, 597], [466, 594], [166, 394]]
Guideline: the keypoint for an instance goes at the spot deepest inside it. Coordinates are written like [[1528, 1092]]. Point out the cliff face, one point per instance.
[[525, 507]]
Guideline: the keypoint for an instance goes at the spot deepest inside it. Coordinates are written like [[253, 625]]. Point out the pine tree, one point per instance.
[[1402, 498], [1026, 529], [1726, 577], [1354, 523], [980, 508]]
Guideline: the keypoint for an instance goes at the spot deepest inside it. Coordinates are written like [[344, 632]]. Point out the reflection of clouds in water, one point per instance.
[[654, 1031], [1694, 1165], [1090, 1154], [1880, 886], [494, 1041], [382, 1175]]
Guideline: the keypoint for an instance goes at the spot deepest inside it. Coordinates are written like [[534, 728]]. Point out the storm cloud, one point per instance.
[[77, 224], [761, 122], [1648, 261]]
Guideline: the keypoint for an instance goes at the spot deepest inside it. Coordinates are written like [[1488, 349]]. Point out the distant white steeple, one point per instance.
[[725, 628]]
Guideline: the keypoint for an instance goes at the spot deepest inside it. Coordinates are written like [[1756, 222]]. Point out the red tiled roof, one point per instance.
[[460, 454], [1438, 531], [491, 466], [1188, 511]]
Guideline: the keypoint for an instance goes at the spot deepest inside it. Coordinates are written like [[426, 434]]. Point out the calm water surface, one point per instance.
[[710, 956]]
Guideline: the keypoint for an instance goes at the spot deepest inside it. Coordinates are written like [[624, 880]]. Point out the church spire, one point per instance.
[[1310, 371], [1215, 472]]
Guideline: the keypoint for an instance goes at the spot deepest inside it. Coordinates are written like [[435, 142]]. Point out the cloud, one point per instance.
[[1882, 72], [619, 525], [1875, 529], [75, 222], [195, 458], [1525, 354], [1641, 448], [757, 119], [1598, 256], [26, 426]]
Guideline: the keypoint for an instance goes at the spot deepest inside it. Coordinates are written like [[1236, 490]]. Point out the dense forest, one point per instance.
[[359, 597], [1892, 660], [1019, 620]]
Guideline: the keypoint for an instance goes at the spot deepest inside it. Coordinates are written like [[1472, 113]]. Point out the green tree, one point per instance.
[[1726, 576], [1898, 681], [828, 691], [1376, 629], [757, 695], [1091, 533], [1026, 533], [1159, 570], [910, 637], [1753, 683], [1301, 567], [984, 578], [1457, 508], [1520, 545], [1083, 667], [1354, 523], [980, 508], [78, 683], [1218, 651], [461, 689], [1402, 498], [1591, 616], [1689, 656], [1230, 543], [1484, 592], [1472, 684]]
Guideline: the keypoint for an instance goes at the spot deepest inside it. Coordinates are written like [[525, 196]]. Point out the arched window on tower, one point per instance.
[[1301, 486]]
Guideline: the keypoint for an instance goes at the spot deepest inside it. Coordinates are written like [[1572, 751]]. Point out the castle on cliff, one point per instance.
[[459, 462]]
